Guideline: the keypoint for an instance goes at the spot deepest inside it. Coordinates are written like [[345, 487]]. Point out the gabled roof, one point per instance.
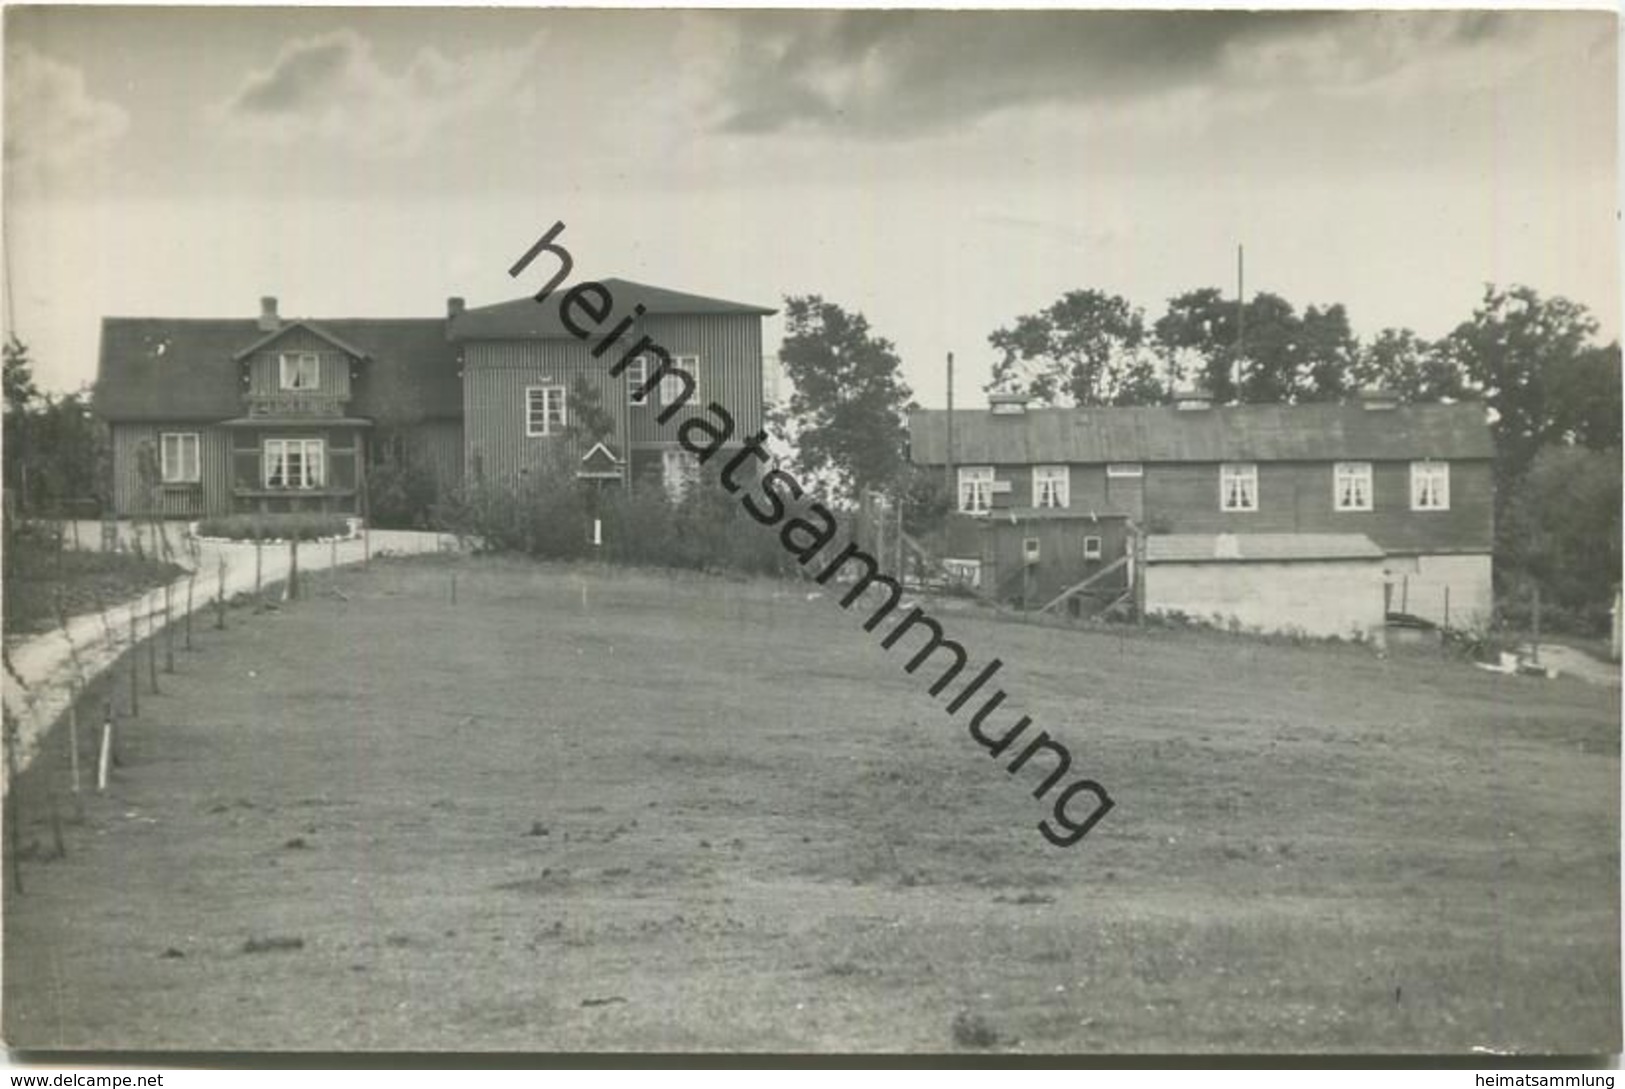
[[1314, 432], [520, 319], [310, 327], [1258, 547], [186, 368]]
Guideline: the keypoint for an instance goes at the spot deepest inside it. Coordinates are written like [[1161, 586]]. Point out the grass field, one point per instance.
[[619, 811]]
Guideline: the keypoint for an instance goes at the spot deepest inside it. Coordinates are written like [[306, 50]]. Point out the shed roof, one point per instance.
[[1258, 547], [1314, 432], [525, 318], [185, 368]]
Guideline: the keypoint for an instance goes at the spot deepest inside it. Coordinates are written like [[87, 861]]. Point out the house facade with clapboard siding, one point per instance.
[[520, 356], [1415, 481], [271, 414]]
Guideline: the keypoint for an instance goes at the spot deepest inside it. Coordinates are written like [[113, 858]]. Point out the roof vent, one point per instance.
[[269, 322], [454, 306], [1376, 399], [1193, 399], [1007, 404]]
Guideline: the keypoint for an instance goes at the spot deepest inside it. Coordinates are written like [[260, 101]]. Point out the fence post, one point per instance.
[[169, 633], [105, 757], [333, 554], [1447, 608], [220, 596], [454, 587], [135, 667], [191, 579], [73, 742], [258, 566], [293, 568], [152, 655], [1535, 618], [14, 824]]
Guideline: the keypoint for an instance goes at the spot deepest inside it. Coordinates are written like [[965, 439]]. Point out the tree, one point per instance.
[[1561, 531], [20, 390], [1413, 369], [1584, 400], [1514, 350], [1200, 326], [1087, 348], [847, 410], [1327, 353], [590, 422]]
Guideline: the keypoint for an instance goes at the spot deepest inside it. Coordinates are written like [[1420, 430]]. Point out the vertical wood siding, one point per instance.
[[131, 498], [264, 371], [495, 377], [730, 372], [438, 444]]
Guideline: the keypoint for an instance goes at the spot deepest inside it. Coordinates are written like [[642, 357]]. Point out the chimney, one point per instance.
[[1007, 404], [454, 306], [1192, 399], [1377, 399], [269, 322]]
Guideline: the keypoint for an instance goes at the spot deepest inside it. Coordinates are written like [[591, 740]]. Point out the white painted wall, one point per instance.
[[1320, 597], [1418, 587]]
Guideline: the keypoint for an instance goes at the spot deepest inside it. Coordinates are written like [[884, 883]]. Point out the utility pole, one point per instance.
[[953, 491], [1241, 322]]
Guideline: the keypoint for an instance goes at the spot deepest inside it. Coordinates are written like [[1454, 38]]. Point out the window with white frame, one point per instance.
[[294, 463], [1430, 485], [680, 469], [300, 370], [1091, 548], [544, 410], [1351, 485], [637, 373], [178, 457], [1238, 486], [671, 387], [1050, 486], [1125, 469], [975, 489]]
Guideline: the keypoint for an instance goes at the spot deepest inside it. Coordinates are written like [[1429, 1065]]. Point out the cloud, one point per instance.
[[899, 73], [334, 89], [53, 123]]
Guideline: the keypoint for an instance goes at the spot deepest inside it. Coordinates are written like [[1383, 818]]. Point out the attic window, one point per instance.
[[300, 370]]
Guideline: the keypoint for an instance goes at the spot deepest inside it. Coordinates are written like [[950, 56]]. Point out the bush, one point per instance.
[[401, 495], [272, 527], [549, 515]]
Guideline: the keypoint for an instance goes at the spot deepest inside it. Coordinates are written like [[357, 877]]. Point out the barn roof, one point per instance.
[[1314, 432], [1258, 547], [525, 318], [186, 368]]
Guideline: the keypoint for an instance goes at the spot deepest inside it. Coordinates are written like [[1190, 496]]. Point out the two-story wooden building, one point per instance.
[[1399, 494], [268, 414]]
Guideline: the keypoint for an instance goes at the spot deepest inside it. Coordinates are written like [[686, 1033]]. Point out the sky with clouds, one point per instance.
[[943, 172]]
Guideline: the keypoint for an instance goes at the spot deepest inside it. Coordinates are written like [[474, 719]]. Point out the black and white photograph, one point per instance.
[[959, 534]]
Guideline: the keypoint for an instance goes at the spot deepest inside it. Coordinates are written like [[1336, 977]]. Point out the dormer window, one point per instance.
[[300, 371]]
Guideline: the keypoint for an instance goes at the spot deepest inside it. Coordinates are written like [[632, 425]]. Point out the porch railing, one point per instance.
[[293, 404]]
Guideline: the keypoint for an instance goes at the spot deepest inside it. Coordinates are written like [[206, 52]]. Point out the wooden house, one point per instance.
[[270, 414], [1415, 481]]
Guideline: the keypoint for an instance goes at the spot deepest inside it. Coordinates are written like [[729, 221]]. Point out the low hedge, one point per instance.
[[275, 527]]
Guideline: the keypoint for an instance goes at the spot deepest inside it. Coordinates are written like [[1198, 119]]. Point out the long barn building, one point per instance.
[[1320, 517]]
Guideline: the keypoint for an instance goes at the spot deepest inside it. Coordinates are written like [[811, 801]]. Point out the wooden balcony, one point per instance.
[[293, 405]]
